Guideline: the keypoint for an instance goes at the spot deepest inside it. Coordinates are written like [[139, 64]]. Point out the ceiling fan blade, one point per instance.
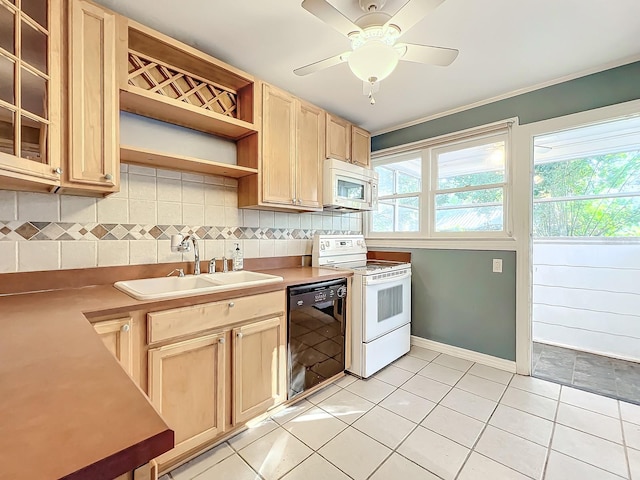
[[427, 54], [328, 14], [411, 13], [321, 65]]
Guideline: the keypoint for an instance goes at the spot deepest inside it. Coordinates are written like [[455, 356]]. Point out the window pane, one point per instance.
[[37, 10], [7, 131], [400, 177], [408, 220], [382, 218], [407, 183], [34, 139], [385, 181], [469, 219], [468, 167], [413, 202], [34, 93], [7, 85], [604, 217], [490, 195], [595, 175], [7, 27], [34, 47]]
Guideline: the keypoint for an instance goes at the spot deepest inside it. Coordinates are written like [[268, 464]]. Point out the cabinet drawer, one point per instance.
[[183, 321]]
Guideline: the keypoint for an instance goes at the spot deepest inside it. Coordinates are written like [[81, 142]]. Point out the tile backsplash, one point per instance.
[[50, 232]]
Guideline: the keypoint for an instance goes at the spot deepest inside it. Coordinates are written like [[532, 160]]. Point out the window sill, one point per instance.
[[506, 244]]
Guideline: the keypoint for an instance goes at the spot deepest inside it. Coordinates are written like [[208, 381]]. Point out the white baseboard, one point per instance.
[[470, 355]]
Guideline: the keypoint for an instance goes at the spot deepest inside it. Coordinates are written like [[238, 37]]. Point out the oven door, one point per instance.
[[387, 304]]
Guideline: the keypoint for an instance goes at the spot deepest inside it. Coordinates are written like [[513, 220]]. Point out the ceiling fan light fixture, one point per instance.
[[373, 61]]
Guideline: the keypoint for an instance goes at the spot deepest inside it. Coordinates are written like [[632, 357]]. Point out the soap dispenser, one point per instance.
[[238, 261]]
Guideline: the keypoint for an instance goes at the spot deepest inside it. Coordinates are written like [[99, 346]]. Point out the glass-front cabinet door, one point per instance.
[[30, 92]]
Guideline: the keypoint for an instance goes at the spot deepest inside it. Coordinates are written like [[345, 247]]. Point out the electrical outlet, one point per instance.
[[497, 265]]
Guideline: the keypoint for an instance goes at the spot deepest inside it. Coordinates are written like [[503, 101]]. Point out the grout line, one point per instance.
[[484, 428], [624, 441], [419, 423]]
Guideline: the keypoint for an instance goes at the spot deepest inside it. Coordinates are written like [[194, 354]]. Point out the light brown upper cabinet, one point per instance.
[[347, 142], [292, 152], [96, 37], [338, 138], [30, 94], [360, 147]]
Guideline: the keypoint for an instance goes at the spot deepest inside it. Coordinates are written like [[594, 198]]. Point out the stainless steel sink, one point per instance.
[[176, 287]]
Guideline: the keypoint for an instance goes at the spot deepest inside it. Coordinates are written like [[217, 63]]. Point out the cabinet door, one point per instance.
[[259, 368], [309, 149], [186, 385], [278, 151], [338, 138], [116, 335], [30, 94], [360, 146], [93, 98]]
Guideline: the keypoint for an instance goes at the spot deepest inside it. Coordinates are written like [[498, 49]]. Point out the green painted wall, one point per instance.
[[457, 300], [616, 85]]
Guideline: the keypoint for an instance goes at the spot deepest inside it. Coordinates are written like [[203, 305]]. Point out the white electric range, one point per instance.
[[380, 301]]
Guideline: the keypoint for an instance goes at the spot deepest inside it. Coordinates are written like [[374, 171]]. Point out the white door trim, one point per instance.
[[522, 210]]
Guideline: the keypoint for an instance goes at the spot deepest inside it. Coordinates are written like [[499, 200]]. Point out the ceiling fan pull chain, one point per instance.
[[372, 100]]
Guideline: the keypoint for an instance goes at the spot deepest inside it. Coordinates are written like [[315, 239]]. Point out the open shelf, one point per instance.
[[175, 83], [141, 102], [151, 158]]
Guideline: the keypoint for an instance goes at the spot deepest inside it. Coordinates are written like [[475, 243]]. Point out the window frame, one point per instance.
[[502, 130], [421, 196]]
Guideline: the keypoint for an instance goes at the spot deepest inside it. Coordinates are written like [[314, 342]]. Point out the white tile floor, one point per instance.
[[431, 416]]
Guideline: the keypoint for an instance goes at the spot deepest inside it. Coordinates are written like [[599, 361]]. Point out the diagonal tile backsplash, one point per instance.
[[134, 226]]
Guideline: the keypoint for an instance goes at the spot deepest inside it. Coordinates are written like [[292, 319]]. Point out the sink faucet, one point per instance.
[[180, 243]]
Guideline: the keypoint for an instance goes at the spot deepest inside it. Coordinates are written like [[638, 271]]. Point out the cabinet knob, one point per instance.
[[240, 334], [221, 340], [231, 304], [125, 328], [57, 171], [108, 177], [294, 201]]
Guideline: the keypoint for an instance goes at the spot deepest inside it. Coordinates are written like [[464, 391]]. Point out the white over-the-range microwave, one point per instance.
[[348, 187]]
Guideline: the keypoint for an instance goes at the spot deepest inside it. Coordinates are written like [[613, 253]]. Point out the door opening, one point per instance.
[[586, 258]]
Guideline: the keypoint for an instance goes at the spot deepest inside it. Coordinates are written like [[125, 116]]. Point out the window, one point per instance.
[[469, 183], [399, 187], [446, 189], [587, 181]]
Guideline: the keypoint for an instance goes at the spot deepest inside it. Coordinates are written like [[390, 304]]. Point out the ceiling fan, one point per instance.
[[374, 52]]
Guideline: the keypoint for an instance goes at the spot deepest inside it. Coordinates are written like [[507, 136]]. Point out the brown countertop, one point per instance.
[[68, 409]]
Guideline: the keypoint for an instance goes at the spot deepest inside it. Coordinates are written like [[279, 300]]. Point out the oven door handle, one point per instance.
[[371, 281]]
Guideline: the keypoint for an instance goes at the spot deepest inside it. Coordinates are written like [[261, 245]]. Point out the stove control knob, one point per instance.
[[342, 292], [321, 246]]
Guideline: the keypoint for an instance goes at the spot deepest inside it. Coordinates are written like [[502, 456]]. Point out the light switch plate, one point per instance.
[[497, 265]]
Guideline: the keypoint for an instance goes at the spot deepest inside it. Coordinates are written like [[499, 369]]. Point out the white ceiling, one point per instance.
[[505, 46]]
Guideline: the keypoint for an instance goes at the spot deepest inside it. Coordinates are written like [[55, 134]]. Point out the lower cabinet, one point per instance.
[[187, 386], [215, 366], [116, 335], [259, 368]]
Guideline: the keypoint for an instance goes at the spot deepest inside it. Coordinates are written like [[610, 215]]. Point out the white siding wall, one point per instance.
[[587, 297]]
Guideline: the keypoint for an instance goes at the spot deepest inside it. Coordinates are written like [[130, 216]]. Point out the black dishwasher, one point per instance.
[[316, 316]]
